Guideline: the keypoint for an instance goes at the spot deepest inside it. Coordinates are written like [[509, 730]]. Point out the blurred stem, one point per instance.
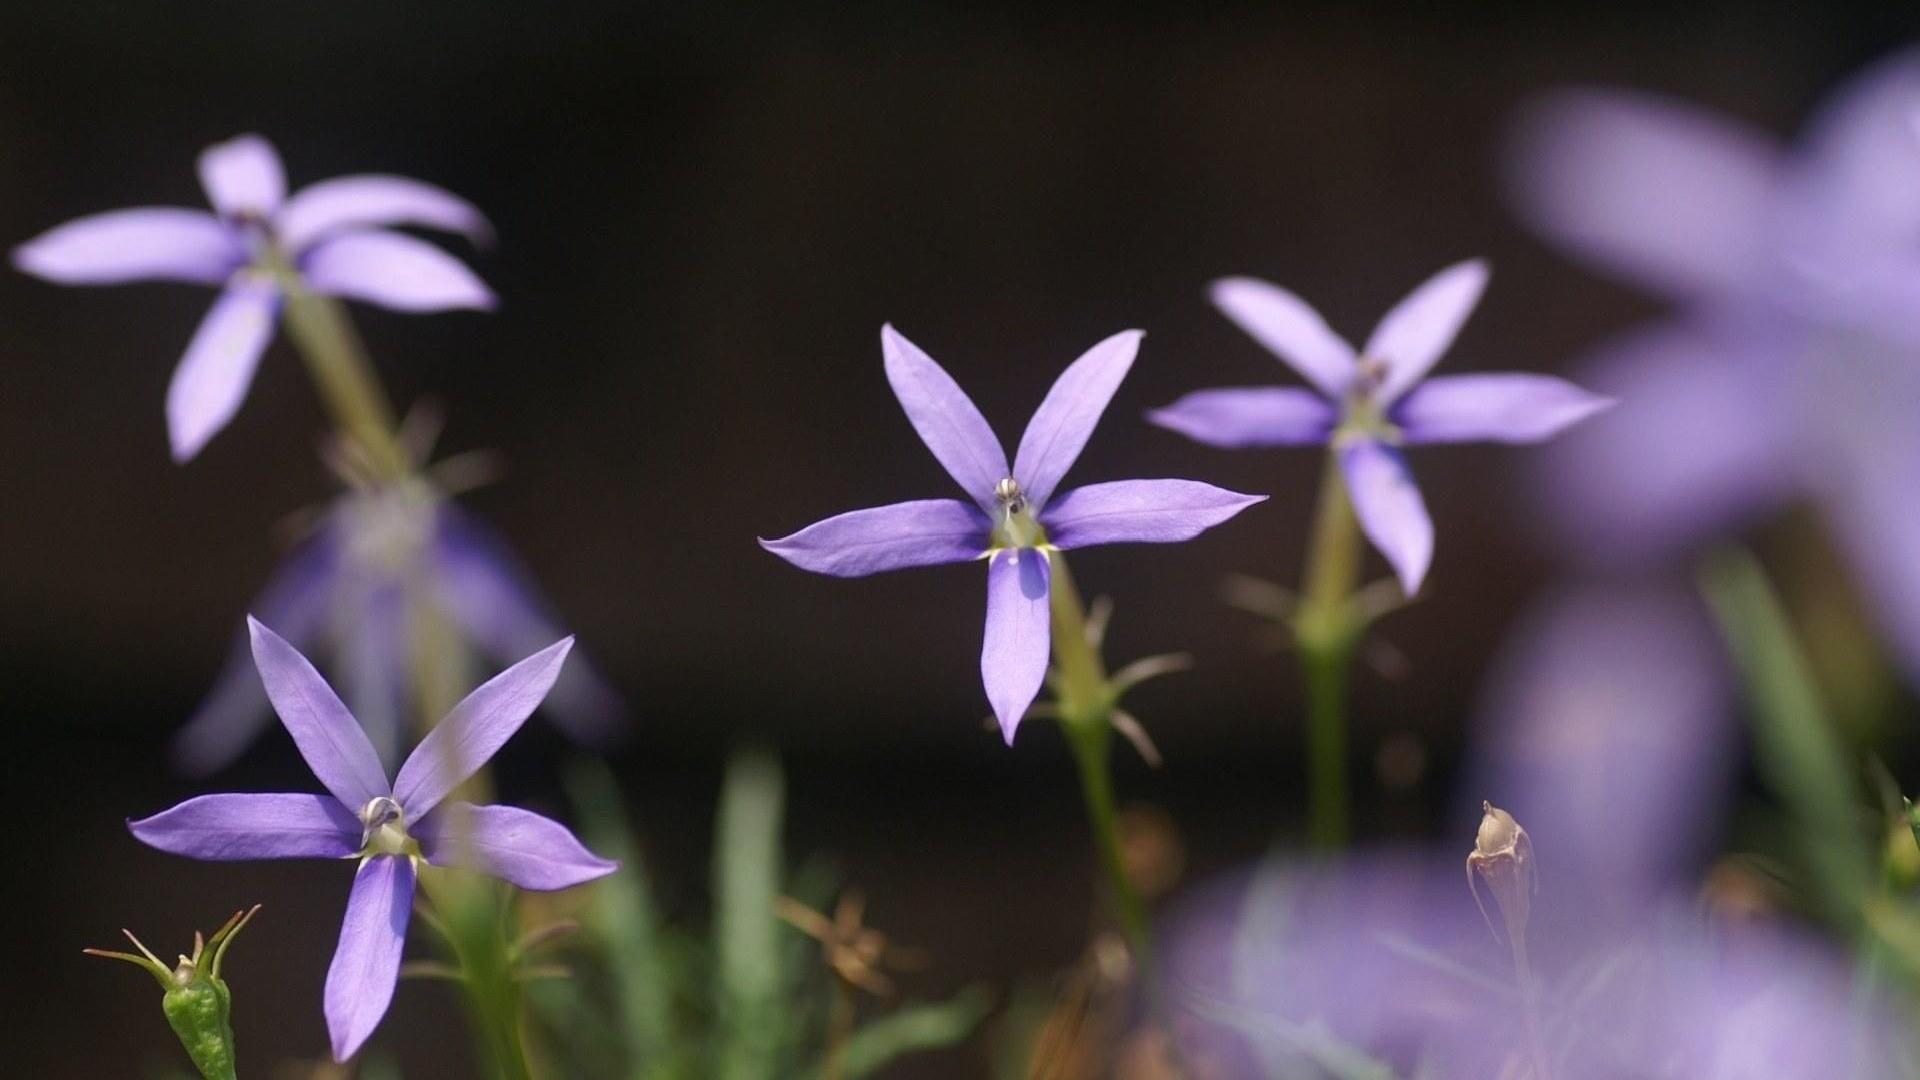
[[839, 1030], [1529, 1002], [471, 913], [1327, 627], [337, 362], [1086, 707]]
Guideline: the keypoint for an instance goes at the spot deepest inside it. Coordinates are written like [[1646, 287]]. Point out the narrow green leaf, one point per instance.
[[1797, 745], [746, 879], [623, 922], [914, 1028]]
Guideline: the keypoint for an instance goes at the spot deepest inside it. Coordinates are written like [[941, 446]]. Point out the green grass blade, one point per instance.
[[1797, 746], [747, 870], [914, 1028]]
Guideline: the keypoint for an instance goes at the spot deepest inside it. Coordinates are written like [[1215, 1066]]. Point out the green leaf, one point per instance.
[[913, 1028], [1797, 746], [748, 1012], [622, 920]]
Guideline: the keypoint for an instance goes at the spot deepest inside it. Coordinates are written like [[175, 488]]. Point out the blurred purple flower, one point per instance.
[[1791, 368], [1381, 965], [383, 562], [331, 234], [1608, 728], [1367, 405], [1014, 518], [389, 827]]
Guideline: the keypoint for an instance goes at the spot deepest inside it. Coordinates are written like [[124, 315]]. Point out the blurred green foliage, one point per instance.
[[651, 1000]]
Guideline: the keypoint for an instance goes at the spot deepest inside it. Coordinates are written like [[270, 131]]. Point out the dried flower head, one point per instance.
[[854, 951]]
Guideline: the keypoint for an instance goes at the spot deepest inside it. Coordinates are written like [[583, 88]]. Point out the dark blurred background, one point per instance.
[[705, 213]]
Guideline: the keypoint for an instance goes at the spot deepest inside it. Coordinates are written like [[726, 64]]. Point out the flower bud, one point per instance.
[[1502, 856], [196, 1001]]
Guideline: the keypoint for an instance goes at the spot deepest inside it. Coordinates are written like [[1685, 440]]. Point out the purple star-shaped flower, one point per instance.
[[389, 828], [1367, 405], [1012, 517], [1789, 368], [381, 559], [329, 233]]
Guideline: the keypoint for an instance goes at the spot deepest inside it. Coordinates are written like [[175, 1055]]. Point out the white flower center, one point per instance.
[[1014, 525], [388, 529], [384, 828]]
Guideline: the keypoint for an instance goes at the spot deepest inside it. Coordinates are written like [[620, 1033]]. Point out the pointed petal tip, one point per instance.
[[181, 448]]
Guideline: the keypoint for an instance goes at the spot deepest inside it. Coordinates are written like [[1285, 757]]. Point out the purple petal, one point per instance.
[[478, 726], [1066, 417], [1703, 439], [1013, 660], [1661, 193], [1140, 512], [213, 376], [272, 826], [149, 243], [514, 845], [394, 271], [1391, 512], [1866, 479], [243, 177], [1847, 220], [945, 417], [1236, 417], [1419, 330], [235, 710], [1290, 329], [1493, 408], [927, 532], [358, 202], [326, 733], [366, 963], [482, 586]]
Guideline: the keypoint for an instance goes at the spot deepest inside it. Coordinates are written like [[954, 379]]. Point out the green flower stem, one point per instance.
[[1327, 627], [337, 362], [471, 913], [469, 909], [1086, 703]]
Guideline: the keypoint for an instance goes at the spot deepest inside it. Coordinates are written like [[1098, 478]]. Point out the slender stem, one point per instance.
[[1325, 674], [839, 1030], [1327, 628], [344, 378], [468, 911], [1529, 1003], [469, 907], [1086, 708]]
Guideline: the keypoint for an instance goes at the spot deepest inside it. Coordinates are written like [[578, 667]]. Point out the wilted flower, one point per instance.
[[328, 238], [385, 560], [1367, 405], [1014, 519], [855, 952], [1791, 367], [388, 827]]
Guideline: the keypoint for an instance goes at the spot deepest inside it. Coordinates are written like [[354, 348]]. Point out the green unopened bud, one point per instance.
[[195, 999]]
